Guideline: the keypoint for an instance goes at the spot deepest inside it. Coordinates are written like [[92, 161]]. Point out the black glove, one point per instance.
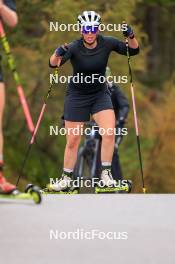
[[61, 51], [128, 33]]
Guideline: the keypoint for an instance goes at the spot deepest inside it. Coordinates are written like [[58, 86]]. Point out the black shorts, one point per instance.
[[79, 107]]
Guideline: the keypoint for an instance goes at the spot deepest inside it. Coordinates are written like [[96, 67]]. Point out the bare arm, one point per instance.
[[8, 16], [54, 60], [129, 34], [133, 43]]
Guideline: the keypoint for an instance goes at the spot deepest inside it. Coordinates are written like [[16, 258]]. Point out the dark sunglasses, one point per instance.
[[89, 29]]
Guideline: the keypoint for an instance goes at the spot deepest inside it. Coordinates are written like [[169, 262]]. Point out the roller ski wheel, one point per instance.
[[129, 186], [34, 192], [29, 187], [126, 188], [34, 195]]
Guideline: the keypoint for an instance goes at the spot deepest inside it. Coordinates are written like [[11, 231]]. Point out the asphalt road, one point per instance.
[[39, 234]]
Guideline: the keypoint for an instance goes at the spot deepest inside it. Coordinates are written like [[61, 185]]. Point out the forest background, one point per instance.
[[154, 77]]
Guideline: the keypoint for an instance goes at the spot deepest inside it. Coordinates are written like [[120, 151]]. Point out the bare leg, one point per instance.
[[106, 120], [70, 155], [73, 141], [2, 104], [4, 185]]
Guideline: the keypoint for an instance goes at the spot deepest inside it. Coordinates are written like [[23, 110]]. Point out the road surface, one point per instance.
[[39, 234]]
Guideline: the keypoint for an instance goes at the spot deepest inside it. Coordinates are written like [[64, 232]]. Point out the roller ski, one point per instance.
[[108, 185], [31, 193], [62, 186], [124, 186]]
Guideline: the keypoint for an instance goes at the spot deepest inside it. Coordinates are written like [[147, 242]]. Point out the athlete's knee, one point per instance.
[[2, 101], [110, 138], [73, 142]]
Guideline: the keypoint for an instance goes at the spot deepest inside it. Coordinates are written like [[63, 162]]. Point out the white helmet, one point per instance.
[[89, 18]]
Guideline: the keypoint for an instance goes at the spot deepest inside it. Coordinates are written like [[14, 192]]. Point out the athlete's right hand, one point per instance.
[[61, 51]]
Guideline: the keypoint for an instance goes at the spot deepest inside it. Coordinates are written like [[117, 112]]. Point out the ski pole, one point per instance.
[[33, 138], [135, 117], [12, 66]]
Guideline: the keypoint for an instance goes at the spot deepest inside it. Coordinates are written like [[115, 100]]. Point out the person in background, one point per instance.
[[121, 108], [9, 16]]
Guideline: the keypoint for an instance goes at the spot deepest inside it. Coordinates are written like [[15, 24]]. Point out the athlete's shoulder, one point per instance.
[[71, 51], [110, 39], [112, 43], [11, 4], [74, 44]]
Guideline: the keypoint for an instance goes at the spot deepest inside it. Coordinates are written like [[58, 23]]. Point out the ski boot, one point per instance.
[[5, 186], [62, 186], [106, 179]]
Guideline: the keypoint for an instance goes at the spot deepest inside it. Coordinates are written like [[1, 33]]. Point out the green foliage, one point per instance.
[[159, 2], [32, 44]]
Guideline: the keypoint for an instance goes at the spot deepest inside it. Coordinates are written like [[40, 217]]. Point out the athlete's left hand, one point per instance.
[[128, 33]]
